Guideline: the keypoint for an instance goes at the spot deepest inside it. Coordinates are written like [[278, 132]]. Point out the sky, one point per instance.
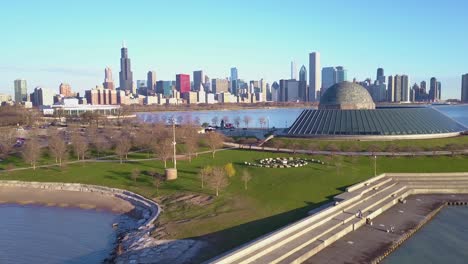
[[48, 42]]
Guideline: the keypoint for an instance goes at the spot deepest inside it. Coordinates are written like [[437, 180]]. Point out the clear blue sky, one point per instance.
[[48, 42]]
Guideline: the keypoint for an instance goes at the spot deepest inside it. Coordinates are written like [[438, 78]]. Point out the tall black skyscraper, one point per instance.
[[380, 76], [126, 75], [433, 90]]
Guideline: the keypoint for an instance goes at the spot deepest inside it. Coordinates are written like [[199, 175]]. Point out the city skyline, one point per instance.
[[85, 48]]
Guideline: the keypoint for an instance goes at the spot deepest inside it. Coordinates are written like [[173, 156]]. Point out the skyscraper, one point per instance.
[[234, 81], [303, 84], [198, 80], [21, 91], [439, 91], [380, 76], [108, 80], [65, 90], [391, 89], [405, 89], [293, 70], [219, 86], [433, 90], [151, 81], [328, 77], [126, 75], [341, 74], [464, 88], [397, 91], [315, 80], [183, 83]]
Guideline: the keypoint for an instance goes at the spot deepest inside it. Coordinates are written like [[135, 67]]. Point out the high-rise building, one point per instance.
[[234, 81], [405, 90], [433, 90], [21, 91], [108, 80], [397, 82], [464, 88], [198, 80], [328, 78], [126, 75], [65, 90], [165, 88], [423, 87], [275, 92], [293, 70], [380, 76], [151, 81], [315, 80], [391, 89], [439, 91], [42, 96], [341, 74], [219, 85], [183, 83], [303, 84]]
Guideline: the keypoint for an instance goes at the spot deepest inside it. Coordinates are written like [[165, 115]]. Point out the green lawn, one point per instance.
[[275, 197], [345, 145]]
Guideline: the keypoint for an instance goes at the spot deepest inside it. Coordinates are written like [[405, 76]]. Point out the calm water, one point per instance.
[[443, 240], [35, 234], [277, 117]]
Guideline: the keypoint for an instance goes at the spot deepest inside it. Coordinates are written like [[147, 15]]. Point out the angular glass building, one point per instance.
[[347, 110]]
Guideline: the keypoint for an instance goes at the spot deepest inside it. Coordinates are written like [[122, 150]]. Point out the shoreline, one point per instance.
[[371, 244], [141, 210]]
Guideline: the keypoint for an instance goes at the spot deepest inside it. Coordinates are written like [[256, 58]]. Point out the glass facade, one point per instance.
[[385, 121]]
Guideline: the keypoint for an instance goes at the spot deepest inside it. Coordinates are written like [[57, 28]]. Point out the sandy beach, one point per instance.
[[88, 200], [369, 242]]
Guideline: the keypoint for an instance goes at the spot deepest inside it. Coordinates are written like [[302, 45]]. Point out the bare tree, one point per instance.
[[191, 145], [247, 119], [215, 141], [135, 174], [218, 180], [101, 143], [312, 146], [163, 150], [157, 181], [237, 121], [214, 121], [373, 149], [7, 141], [392, 148], [295, 146], [262, 121], [204, 174], [338, 164], [144, 137], [57, 147], [123, 144], [80, 144], [32, 150], [332, 148], [246, 177], [225, 119]]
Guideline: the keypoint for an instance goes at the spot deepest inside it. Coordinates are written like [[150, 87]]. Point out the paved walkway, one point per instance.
[[348, 153], [369, 242]]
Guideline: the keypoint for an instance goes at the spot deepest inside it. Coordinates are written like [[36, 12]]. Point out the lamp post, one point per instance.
[[171, 173], [375, 165], [174, 143]]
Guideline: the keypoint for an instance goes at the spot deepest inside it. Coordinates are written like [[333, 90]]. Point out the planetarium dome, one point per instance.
[[346, 96]]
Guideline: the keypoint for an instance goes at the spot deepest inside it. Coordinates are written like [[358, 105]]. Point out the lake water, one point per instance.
[[37, 234], [443, 240], [275, 117]]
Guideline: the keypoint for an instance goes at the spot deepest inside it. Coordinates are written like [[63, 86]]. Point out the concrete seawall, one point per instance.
[[299, 241], [146, 211]]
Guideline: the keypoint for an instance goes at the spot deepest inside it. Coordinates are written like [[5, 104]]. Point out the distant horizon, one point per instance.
[[52, 42]]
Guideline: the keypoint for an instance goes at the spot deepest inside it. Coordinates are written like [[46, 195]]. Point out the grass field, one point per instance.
[[355, 145], [275, 197]]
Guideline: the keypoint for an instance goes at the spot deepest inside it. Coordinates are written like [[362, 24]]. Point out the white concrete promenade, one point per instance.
[[299, 241]]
